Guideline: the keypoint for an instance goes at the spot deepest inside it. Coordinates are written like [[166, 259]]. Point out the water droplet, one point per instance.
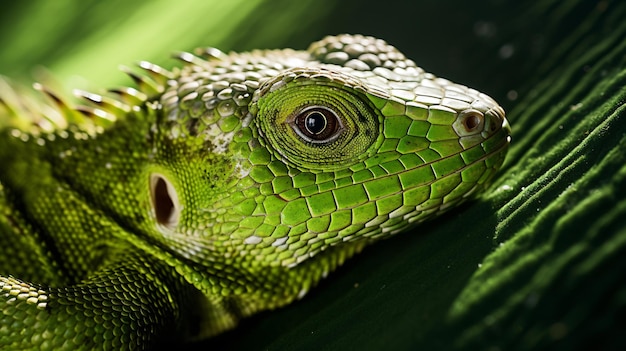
[[576, 107], [506, 187], [506, 51], [511, 95], [485, 29]]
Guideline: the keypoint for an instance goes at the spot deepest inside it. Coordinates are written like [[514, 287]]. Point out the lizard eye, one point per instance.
[[317, 124], [327, 125], [165, 202]]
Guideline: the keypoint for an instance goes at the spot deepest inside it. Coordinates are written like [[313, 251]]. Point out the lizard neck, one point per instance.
[[69, 184]]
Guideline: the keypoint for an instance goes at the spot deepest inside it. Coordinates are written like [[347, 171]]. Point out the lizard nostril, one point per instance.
[[473, 121], [164, 201]]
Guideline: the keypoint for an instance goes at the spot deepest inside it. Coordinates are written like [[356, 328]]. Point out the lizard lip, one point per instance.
[[505, 125]]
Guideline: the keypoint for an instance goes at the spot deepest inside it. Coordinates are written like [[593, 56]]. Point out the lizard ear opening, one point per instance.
[[165, 202]]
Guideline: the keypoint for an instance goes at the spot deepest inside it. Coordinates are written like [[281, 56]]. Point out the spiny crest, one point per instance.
[[21, 110], [18, 108]]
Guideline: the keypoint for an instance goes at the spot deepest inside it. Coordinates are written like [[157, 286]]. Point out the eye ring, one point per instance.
[[317, 125]]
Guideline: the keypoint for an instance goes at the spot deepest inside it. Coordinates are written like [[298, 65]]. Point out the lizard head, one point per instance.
[[239, 168], [291, 153], [255, 174]]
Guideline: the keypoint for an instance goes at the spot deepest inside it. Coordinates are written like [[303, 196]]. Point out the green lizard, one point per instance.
[[226, 187]]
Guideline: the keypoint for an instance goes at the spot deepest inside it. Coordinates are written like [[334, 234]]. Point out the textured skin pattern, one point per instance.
[[229, 186]]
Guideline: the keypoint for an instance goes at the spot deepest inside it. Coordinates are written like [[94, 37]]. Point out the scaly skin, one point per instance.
[[227, 187]]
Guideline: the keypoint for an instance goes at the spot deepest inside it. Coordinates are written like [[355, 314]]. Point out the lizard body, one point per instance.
[[228, 186]]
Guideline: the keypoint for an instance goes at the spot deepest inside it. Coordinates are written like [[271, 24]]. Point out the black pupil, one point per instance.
[[315, 123]]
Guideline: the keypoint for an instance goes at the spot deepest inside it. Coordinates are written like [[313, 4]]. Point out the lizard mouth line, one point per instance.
[[500, 147]]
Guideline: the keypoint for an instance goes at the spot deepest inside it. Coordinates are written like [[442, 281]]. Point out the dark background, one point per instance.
[[486, 45]]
